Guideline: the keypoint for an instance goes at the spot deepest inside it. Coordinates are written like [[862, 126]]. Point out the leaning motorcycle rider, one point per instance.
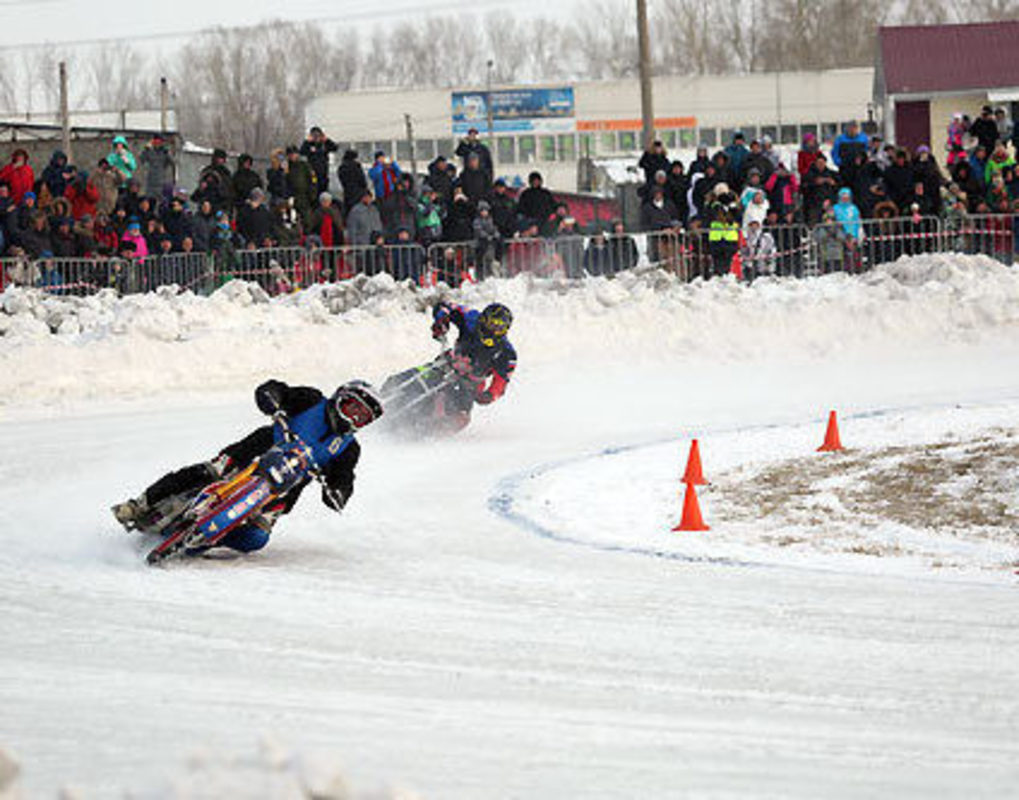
[[482, 355], [351, 407]]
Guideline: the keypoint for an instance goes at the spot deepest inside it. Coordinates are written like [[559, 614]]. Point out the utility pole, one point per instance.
[[65, 114], [410, 141], [647, 112], [164, 106]]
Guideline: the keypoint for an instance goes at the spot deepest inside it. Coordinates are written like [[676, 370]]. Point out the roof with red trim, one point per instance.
[[946, 58]]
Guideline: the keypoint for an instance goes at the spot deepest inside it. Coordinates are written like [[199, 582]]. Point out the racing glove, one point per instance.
[[269, 396]]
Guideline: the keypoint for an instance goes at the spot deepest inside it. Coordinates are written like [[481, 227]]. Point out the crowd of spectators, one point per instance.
[[128, 206], [740, 192]]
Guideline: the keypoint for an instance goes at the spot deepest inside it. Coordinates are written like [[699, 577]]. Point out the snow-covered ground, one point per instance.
[[506, 613]]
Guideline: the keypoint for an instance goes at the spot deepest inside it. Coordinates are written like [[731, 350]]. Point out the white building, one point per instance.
[[549, 127]]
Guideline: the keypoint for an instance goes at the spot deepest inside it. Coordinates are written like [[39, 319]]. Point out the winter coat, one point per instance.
[[536, 204], [504, 212], [158, 165], [899, 179], [106, 183], [652, 163], [756, 212], [317, 154], [363, 222], [279, 187], [203, 226], [848, 215], [782, 187], [818, 186], [141, 247], [475, 184], [485, 230], [352, 179], [466, 147], [53, 175], [20, 179], [398, 211], [302, 186], [84, 198], [598, 258], [178, 225], [218, 189], [245, 181], [985, 131], [428, 218], [804, 160], [384, 178], [316, 224], [124, 166], [441, 181], [847, 147], [758, 251], [254, 223], [459, 224], [737, 154], [658, 217]]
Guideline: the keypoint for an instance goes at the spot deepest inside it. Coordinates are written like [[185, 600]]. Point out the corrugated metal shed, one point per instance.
[[948, 58]]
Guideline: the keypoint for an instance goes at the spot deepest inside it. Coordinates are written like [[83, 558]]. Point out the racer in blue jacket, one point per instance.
[[312, 415]]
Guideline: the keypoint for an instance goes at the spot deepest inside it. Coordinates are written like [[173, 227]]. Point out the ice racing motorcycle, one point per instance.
[[195, 523], [433, 399]]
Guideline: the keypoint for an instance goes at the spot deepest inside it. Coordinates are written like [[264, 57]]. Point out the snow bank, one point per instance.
[[55, 349]]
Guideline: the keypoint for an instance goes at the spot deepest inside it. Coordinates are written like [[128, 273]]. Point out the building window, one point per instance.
[[506, 149], [587, 145], [606, 142], [547, 144], [788, 135], [364, 151], [727, 134], [770, 131], [668, 138], [526, 148], [627, 141], [424, 149], [402, 150], [567, 147], [707, 137], [750, 131], [829, 130], [805, 129], [446, 147], [687, 137]]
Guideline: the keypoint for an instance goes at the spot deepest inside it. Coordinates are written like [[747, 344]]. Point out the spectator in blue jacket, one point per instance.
[[847, 215], [736, 153], [848, 144], [385, 175]]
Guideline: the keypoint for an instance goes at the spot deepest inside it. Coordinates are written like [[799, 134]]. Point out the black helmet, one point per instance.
[[354, 405], [494, 322]]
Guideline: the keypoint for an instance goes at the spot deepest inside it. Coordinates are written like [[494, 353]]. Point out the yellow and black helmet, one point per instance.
[[495, 321]]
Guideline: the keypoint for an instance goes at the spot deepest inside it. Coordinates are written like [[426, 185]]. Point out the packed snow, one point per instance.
[[506, 613]]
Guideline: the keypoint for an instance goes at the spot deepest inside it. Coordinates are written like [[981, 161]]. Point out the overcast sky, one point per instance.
[[31, 21]]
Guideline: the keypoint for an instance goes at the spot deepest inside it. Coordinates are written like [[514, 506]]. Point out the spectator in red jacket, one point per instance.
[[18, 175], [84, 196], [807, 155]]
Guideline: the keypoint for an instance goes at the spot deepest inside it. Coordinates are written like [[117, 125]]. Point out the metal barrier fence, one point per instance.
[[785, 250]]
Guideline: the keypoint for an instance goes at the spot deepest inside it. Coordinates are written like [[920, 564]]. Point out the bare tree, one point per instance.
[[247, 89], [119, 78], [507, 43], [604, 40], [8, 85]]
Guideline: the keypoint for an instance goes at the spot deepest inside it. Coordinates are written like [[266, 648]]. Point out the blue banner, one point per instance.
[[515, 110]]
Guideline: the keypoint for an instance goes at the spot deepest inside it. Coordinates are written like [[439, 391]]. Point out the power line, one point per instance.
[[417, 8]]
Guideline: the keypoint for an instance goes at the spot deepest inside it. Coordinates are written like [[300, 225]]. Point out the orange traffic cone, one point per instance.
[[736, 265], [692, 519], [694, 474], [832, 442]]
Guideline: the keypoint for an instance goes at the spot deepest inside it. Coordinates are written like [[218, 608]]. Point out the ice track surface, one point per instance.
[[428, 642]]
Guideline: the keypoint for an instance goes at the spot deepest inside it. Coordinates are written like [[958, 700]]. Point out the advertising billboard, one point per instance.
[[515, 110]]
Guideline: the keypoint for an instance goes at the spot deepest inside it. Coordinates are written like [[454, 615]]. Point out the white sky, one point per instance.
[[32, 21]]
